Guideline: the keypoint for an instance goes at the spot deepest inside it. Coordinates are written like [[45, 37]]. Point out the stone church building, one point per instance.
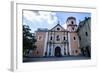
[[58, 41]]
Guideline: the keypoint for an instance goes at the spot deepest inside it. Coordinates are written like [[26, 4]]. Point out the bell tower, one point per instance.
[[73, 40], [71, 24]]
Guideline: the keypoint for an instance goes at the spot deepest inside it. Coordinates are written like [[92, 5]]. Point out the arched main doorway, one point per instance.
[[57, 51]]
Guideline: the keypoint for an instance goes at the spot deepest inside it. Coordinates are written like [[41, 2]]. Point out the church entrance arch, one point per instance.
[[57, 51]]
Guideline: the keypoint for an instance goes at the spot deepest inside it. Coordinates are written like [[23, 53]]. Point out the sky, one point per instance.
[[48, 19]]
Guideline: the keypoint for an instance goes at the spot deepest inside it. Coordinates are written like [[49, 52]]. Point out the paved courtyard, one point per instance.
[[31, 59]]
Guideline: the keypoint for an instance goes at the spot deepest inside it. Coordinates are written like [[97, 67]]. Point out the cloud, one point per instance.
[[40, 16], [32, 16], [38, 19], [64, 26]]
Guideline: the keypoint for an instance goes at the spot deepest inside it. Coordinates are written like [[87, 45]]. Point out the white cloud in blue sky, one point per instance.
[[39, 19], [47, 19]]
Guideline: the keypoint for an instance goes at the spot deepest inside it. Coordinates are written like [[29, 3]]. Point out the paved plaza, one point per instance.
[[65, 58]]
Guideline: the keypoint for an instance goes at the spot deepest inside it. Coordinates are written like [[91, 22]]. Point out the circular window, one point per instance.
[[58, 28]]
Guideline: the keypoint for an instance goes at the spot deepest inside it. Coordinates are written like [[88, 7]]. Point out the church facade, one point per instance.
[[58, 41]]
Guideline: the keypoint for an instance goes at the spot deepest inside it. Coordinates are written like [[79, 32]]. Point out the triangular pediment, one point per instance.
[[58, 27]]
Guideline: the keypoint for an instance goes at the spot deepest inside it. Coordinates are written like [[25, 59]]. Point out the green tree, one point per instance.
[[28, 40]]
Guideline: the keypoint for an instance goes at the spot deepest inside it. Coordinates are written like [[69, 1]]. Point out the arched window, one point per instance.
[[72, 22], [64, 38], [72, 28], [74, 38], [57, 38], [45, 53], [51, 38], [86, 33]]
